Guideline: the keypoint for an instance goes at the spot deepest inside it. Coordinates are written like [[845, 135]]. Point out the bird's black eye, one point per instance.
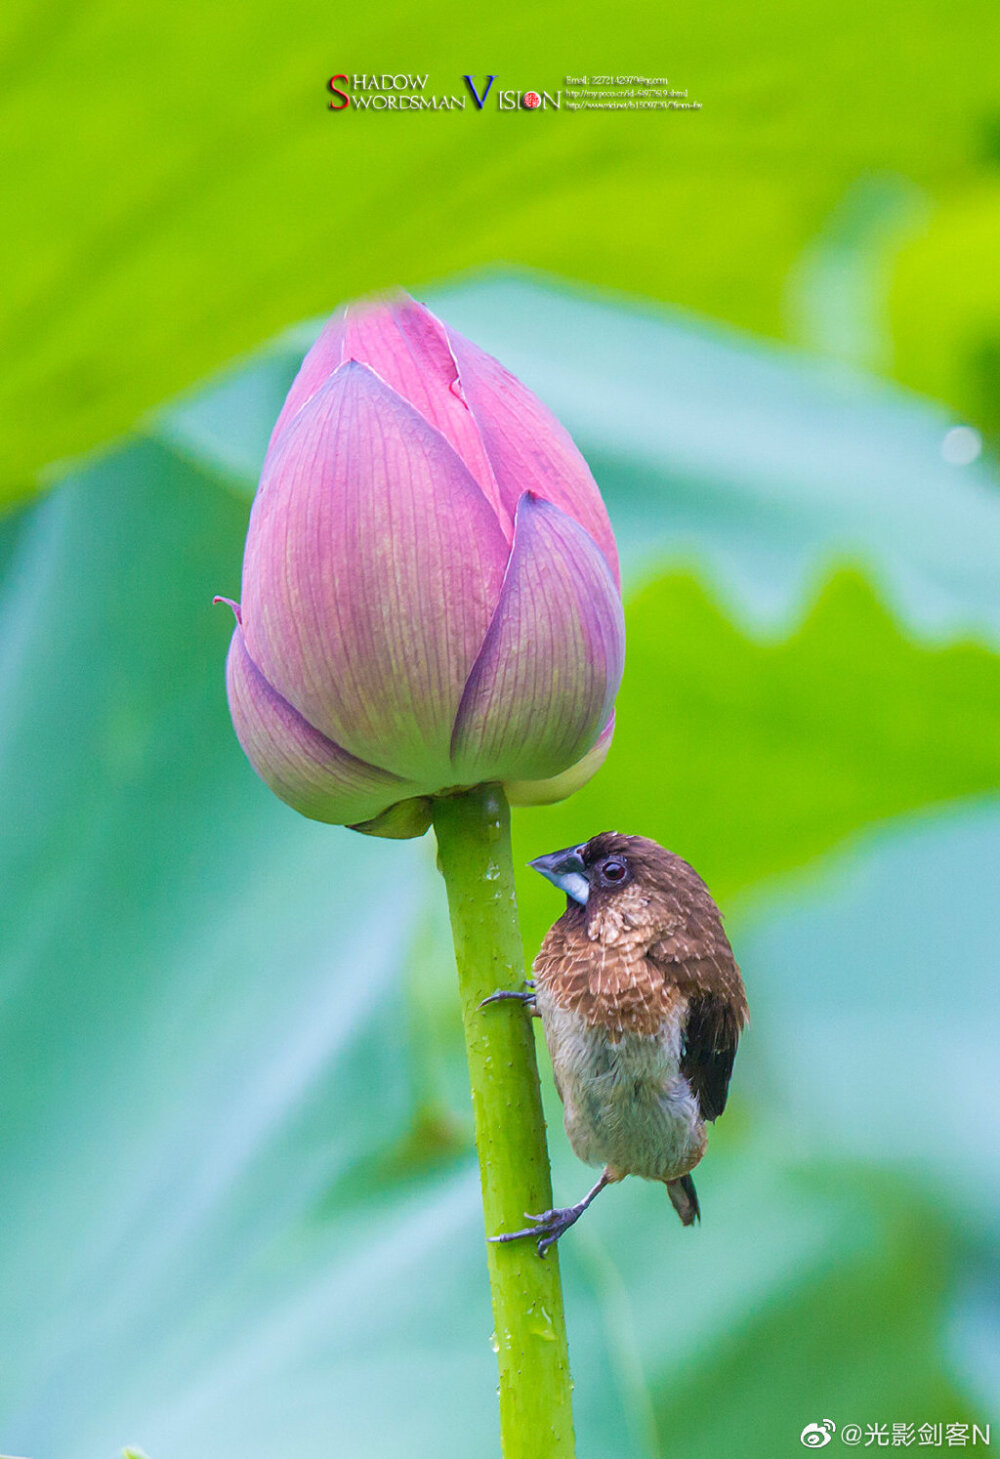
[[614, 871]]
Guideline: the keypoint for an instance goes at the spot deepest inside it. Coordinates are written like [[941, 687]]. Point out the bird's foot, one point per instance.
[[527, 998], [548, 1227]]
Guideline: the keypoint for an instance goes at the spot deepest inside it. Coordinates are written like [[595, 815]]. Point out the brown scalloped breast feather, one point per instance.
[[614, 987], [650, 951]]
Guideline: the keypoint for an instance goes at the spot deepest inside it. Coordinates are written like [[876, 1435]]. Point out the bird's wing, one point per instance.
[[696, 958], [711, 1033]]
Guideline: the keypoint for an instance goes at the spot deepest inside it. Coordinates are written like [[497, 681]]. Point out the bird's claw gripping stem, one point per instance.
[[550, 1225], [527, 998]]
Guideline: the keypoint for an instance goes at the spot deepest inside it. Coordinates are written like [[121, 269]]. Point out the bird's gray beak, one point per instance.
[[565, 870]]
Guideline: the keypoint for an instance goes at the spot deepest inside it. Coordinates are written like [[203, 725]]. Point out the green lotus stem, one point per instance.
[[473, 833]]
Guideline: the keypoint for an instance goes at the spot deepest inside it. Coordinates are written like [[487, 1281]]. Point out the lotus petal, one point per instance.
[[402, 821], [301, 766], [373, 567], [528, 448], [407, 347], [321, 360], [546, 792], [544, 684]]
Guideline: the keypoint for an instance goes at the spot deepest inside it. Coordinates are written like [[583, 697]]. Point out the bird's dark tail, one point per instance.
[[684, 1199]]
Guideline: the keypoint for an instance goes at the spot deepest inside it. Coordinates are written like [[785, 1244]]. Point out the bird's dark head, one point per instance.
[[601, 871]]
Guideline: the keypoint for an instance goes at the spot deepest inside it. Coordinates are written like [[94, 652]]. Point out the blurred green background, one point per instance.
[[238, 1198]]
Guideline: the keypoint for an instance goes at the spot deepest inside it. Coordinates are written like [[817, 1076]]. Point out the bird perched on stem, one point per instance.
[[642, 1005]]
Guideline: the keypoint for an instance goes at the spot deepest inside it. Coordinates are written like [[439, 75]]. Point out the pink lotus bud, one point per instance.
[[430, 584]]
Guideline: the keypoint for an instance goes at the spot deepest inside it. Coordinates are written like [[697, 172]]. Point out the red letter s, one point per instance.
[[338, 105]]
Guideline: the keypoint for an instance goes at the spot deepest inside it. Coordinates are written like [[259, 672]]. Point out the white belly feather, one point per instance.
[[626, 1104]]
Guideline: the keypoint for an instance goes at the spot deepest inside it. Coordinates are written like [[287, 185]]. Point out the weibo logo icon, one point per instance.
[[817, 1436]]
